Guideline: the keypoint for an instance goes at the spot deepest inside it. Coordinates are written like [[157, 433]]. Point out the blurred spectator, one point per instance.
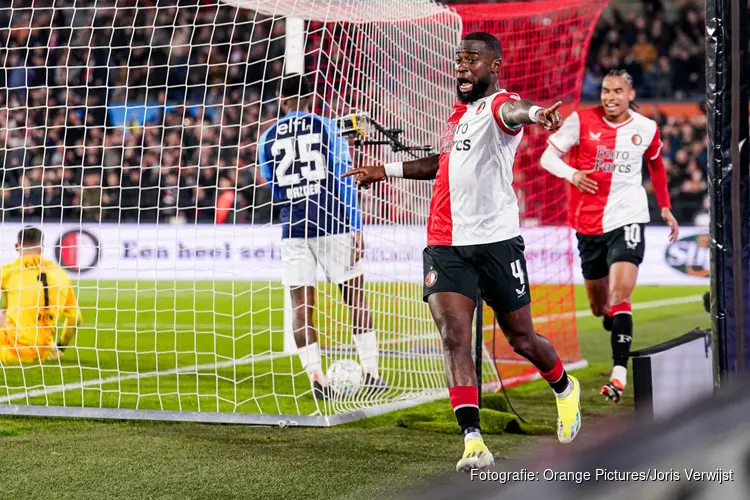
[[665, 57], [194, 93], [685, 155]]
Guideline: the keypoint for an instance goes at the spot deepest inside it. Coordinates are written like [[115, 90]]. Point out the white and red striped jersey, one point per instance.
[[473, 201], [615, 153]]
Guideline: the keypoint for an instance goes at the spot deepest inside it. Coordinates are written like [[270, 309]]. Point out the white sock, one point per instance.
[[472, 435], [619, 373], [309, 356], [367, 347], [568, 389]]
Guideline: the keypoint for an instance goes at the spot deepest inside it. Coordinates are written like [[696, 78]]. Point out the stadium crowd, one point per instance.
[[685, 155], [665, 56], [69, 147], [69, 150], [664, 51]]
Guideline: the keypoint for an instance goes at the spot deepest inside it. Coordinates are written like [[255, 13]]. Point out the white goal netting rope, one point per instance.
[[129, 134]]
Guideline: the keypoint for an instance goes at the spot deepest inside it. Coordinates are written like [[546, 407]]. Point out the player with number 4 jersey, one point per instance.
[[609, 207], [303, 157], [37, 293], [474, 242]]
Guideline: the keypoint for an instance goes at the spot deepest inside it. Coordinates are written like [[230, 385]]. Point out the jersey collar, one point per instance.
[[618, 125]]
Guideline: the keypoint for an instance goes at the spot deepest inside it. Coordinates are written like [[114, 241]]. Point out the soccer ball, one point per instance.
[[345, 377]]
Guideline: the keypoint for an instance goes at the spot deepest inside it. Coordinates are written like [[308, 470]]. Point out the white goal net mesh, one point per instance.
[[129, 133]]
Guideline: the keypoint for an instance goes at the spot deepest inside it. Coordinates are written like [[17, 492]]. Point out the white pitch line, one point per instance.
[[137, 376], [265, 357], [582, 313], [651, 304], [150, 326]]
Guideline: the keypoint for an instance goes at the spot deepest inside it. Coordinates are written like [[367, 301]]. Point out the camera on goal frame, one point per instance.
[[353, 125]]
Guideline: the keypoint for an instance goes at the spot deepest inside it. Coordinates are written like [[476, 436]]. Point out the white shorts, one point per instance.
[[334, 253]]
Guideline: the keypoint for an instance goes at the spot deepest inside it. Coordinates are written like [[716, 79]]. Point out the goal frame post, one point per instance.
[[294, 62]]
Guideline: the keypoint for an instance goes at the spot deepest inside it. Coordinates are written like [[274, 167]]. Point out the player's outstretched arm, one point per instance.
[[525, 112], [422, 169]]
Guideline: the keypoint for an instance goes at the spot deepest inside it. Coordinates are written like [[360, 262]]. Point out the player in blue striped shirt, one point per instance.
[[302, 157]]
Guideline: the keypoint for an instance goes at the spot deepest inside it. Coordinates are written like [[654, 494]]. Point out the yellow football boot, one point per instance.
[[476, 456], [569, 413]]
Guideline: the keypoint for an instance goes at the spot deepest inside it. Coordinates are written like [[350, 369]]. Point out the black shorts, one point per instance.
[[599, 252], [498, 270]]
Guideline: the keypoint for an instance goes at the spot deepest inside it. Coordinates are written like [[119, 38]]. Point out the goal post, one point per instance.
[[131, 139], [294, 63]]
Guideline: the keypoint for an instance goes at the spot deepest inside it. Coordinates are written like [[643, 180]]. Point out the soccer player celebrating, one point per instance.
[[609, 208], [36, 292], [302, 157], [474, 239]]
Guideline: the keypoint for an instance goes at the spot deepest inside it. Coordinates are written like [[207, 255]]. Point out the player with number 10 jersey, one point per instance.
[[609, 210], [303, 157]]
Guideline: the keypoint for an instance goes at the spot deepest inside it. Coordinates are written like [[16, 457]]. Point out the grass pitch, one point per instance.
[[46, 458], [210, 346]]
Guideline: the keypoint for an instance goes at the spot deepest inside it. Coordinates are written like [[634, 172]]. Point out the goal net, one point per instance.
[[130, 135]]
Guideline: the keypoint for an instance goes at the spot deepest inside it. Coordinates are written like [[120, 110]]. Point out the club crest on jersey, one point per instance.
[[637, 140], [431, 278], [481, 107]]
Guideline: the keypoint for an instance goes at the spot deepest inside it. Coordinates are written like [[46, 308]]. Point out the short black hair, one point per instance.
[[295, 85], [29, 237], [622, 74], [489, 40]]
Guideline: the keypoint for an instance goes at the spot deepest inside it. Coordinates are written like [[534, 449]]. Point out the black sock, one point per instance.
[[607, 322], [622, 337], [468, 419], [560, 385]]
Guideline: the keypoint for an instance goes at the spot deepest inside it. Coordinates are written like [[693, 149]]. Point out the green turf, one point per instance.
[[207, 346], [496, 416], [46, 458]]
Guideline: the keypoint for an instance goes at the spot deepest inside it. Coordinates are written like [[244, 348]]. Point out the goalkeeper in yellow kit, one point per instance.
[[37, 294]]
